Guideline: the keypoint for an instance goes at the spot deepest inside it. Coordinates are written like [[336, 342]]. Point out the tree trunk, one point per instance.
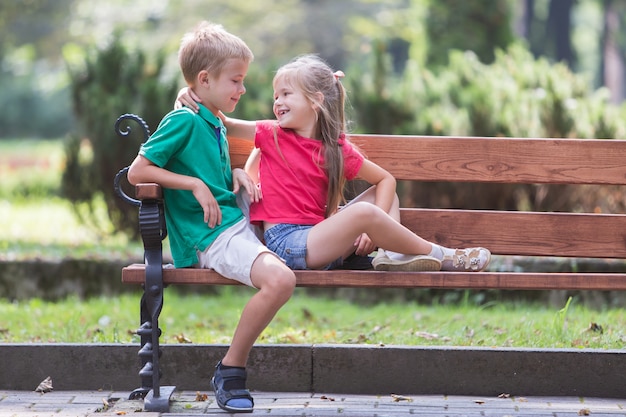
[[559, 27], [612, 57]]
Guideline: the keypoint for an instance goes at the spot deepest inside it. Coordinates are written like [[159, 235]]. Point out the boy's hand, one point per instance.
[[186, 97], [242, 179], [364, 245], [212, 211]]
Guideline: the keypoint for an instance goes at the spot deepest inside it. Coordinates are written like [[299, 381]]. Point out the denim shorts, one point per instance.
[[289, 242]]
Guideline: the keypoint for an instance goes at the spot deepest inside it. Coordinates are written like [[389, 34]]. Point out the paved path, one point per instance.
[[186, 403]]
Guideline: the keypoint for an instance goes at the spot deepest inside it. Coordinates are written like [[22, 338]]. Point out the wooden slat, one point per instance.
[[503, 160], [492, 160], [148, 191], [239, 150], [134, 274], [523, 233]]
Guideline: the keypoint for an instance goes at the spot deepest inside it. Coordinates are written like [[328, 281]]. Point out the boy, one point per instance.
[[204, 198]]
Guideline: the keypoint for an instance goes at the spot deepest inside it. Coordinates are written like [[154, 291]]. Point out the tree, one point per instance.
[[112, 81], [481, 26], [612, 45]]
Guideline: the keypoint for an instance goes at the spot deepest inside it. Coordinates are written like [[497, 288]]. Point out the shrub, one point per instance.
[[112, 81], [515, 96]]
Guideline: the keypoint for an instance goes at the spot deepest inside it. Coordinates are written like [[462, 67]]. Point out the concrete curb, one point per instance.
[[349, 369]]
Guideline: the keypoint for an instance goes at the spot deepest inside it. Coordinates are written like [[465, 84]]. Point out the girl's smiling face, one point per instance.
[[293, 109]]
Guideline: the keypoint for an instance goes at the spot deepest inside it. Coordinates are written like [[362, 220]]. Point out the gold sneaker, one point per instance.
[[469, 259]]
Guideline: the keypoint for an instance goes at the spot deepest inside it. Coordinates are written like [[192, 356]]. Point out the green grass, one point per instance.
[[30, 168], [305, 319], [34, 223]]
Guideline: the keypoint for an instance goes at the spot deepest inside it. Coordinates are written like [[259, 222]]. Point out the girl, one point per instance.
[[301, 162]]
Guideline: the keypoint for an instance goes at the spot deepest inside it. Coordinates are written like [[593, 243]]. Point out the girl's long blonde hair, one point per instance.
[[312, 75]]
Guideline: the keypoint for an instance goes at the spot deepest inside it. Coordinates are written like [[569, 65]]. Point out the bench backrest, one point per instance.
[[503, 160]]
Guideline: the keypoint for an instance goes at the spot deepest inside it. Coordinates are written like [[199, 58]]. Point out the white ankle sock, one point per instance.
[[440, 251]]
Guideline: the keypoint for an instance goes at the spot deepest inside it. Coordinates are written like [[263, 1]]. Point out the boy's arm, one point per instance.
[[143, 170]]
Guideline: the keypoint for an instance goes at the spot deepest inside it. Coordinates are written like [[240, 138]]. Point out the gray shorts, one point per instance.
[[235, 250], [289, 242]]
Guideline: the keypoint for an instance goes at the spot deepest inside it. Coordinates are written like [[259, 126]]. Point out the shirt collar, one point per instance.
[[212, 119]]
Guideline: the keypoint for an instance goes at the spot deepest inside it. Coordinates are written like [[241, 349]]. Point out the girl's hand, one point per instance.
[[212, 211], [186, 97], [242, 179], [364, 245]]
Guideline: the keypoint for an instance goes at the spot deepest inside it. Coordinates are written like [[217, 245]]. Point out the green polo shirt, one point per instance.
[[195, 145]]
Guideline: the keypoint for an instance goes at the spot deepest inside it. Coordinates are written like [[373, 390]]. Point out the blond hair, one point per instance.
[[311, 75], [208, 47]]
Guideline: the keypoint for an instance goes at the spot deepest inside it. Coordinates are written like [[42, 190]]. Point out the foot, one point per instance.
[[382, 262], [234, 400], [469, 259]]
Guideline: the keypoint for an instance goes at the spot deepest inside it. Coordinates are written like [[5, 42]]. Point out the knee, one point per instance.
[[277, 281], [283, 283], [367, 211]]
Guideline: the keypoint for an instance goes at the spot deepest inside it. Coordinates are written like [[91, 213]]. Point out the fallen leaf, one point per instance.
[[595, 327], [426, 335], [481, 402], [398, 398], [181, 338], [503, 395], [201, 397], [120, 413], [584, 412], [45, 385], [323, 397]]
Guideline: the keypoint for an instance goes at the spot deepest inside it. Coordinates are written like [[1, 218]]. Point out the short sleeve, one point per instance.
[[353, 160]]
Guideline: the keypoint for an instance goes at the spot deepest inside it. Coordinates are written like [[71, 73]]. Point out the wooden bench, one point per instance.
[[428, 158]]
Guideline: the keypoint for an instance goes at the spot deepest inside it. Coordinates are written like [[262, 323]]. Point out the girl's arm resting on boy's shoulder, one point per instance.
[[242, 129], [385, 183], [143, 170], [186, 97]]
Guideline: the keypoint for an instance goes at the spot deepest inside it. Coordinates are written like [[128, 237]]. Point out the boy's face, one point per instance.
[[223, 93]]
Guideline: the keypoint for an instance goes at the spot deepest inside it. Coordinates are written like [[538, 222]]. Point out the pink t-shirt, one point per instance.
[[292, 179]]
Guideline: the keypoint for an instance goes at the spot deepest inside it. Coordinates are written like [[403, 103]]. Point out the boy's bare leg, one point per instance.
[[276, 283]]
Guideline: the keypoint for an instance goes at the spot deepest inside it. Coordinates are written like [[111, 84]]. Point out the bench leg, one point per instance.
[[156, 398], [145, 353], [160, 404]]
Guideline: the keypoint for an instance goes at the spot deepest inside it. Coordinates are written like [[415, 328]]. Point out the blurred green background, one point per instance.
[[497, 68]]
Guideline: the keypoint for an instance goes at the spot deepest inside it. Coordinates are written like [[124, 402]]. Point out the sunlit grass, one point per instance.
[[305, 319], [36, 224], [49, 229]]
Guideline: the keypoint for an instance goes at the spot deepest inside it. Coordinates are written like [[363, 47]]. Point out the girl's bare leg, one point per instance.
[[369, 196], [335, 235]]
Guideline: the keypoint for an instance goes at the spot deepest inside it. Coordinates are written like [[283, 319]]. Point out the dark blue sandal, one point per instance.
[[236, 400]]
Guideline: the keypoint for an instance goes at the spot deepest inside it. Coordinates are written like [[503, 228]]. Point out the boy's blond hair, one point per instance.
[[208, 47]]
